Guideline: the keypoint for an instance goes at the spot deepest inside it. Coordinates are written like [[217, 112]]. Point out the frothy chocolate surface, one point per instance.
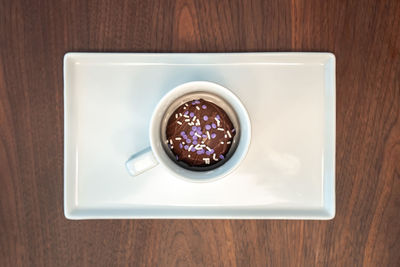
[[199, 133]]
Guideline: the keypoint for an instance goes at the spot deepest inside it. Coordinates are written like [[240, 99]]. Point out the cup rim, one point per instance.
[[219, 172]]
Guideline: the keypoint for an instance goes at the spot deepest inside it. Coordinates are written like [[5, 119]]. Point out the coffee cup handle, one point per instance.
[[140, 162]]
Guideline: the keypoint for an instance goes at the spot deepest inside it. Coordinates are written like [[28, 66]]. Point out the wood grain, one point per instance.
[[365, 37]]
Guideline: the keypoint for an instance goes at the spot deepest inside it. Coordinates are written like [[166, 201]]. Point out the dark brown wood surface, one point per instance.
[[365, 37]]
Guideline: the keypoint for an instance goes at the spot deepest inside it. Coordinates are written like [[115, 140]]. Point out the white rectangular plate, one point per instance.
[[288, 173]]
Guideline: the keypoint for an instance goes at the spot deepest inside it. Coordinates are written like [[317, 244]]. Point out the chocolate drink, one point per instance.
[[199, 133]]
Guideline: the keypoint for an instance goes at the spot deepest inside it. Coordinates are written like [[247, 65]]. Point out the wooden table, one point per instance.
[[365, 37]]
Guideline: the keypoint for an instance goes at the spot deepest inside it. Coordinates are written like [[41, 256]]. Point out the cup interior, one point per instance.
[[222, 97]]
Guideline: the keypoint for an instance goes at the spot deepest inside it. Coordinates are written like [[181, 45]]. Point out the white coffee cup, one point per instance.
[[158, 151]]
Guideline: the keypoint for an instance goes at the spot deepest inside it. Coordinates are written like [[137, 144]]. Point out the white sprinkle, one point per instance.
[[180, 114], [229, 134], [176, 115], [178, 122], [187, 120], [178, 138], [214, 157], [183, 143], [222, 142], [220, 129], [186, 104], [208, 135], [197, 124], [186, 116], [170, 141], [202, 146], [172, 147], [209, 149], [196, 134], [190, 147], [202, 142], [225, 136], [197, 147], [194, 118], [184, 107], [198, 121], [189, 156], [218, 121], [228, 142], [197, 107], [207, 160], [191, 123]]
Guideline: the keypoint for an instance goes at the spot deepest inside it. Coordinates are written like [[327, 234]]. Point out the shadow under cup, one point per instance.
[[219, 101]]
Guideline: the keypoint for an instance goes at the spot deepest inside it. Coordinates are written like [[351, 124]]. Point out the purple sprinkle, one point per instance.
[[204, 136], [233, 130], [213, 135], [213, 125], [194, 141], [198, 128], [184, 136], [208, 127], [191, 114], [204, 106], [180, 145], [218, 117], [208, 153], [169, 145], [191, 133], [186, 147], [194, 128], [176, 156], [205, 118], [194, 138], [212, 151], [197, 102], [186, 112], [193, 149], [199, 152], [221, 156], [188, 141], [193, 103], [182, 133]]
